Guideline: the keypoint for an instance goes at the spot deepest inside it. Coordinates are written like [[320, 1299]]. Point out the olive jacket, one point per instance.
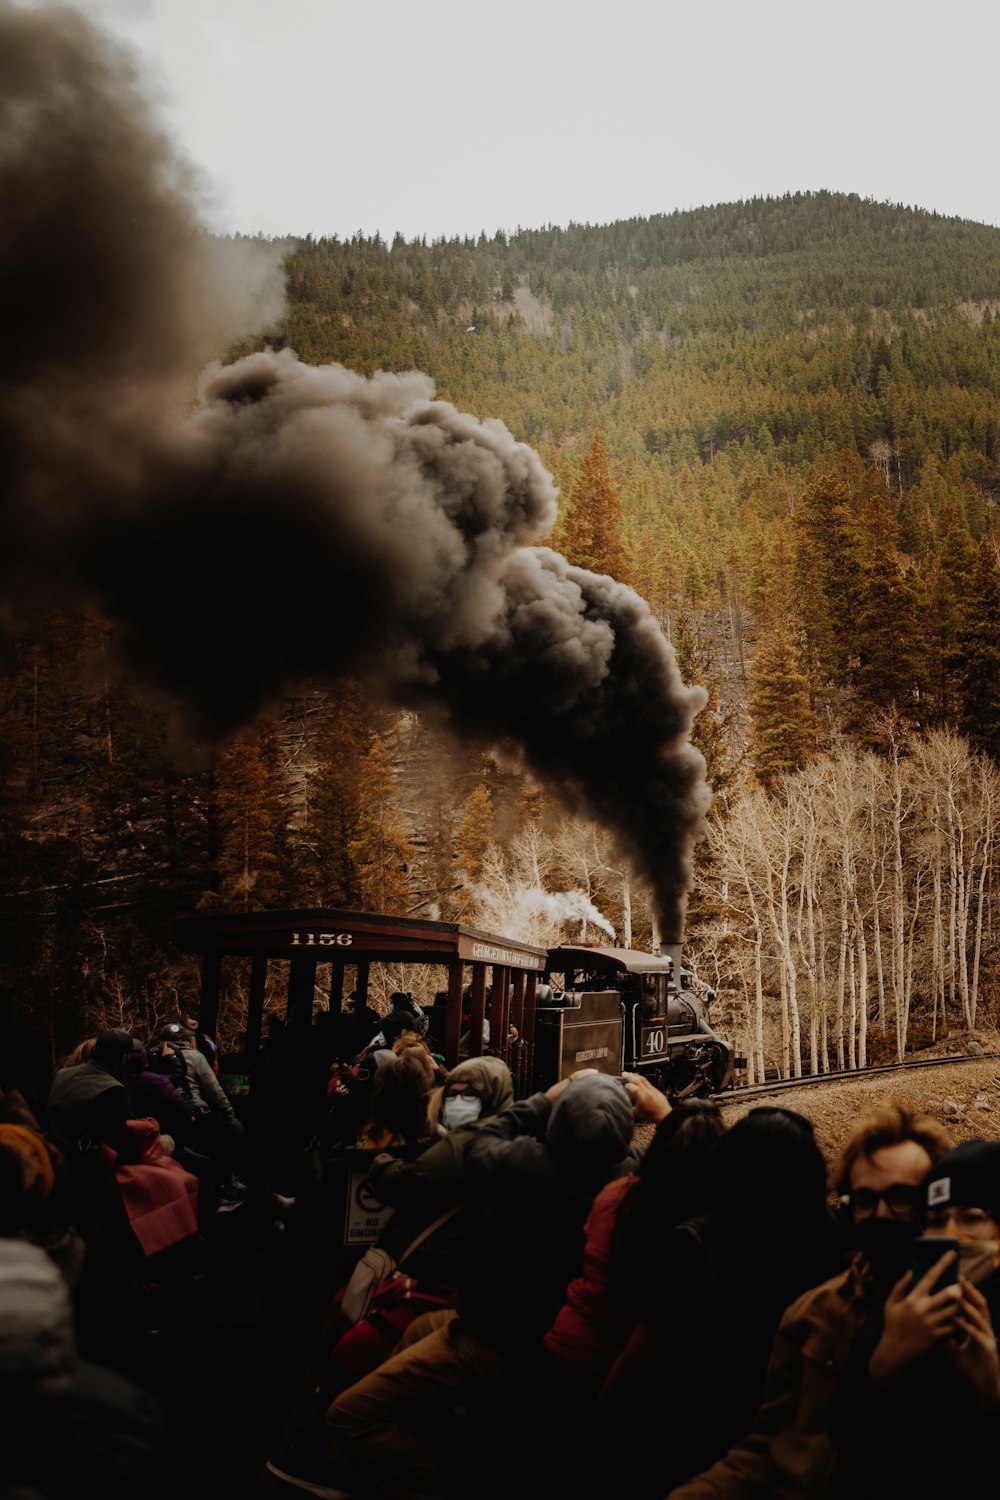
[[788, 1453]]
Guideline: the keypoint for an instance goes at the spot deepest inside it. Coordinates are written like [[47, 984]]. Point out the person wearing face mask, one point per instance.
[[434, 1187], [930, 1362], [421, 1192], [789, 1451]]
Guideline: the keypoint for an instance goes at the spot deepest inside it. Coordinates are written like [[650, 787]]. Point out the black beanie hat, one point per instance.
[[969, 1176], [111, 1046]]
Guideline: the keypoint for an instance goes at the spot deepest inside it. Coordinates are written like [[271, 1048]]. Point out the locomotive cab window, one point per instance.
[[654, 996]]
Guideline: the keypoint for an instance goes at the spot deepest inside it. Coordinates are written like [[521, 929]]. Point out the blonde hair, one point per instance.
[[80, 1053]]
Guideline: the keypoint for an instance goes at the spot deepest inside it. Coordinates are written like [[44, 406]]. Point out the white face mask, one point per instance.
[[460, 1110], [977, 1259]]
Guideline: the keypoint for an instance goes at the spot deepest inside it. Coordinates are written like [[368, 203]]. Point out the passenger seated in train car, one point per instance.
[[410, 1044], [399, 1099], [361, 1024], [414, 1018], [539, 1165], [625, 1233], [206, 1045], [787, 1451], [432, 1193], [767, 1235], [88, 1102], [32, 1173], [217, 1133], [152, 1093], [69, 1427], [929, 1364]]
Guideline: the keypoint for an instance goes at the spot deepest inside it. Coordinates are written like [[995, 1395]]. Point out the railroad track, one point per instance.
[[817, 1080]]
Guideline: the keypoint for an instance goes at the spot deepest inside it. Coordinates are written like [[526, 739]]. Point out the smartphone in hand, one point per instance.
[[926, 1250]]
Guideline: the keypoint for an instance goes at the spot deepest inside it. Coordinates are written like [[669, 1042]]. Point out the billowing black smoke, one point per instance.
[[295, 522]]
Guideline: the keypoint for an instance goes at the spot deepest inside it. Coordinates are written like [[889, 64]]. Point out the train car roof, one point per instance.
[[611, 960], [332, 933]]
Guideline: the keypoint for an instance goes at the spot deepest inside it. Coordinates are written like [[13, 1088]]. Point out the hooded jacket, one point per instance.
[[540, 1165], [153, 1094], [422, 1190]]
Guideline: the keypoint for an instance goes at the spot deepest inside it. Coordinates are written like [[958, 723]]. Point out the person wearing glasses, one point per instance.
[[930, 1364], [789, 1453]]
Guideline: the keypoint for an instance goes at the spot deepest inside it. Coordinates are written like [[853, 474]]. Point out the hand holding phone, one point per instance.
[[921, 1310], [926, 1251]]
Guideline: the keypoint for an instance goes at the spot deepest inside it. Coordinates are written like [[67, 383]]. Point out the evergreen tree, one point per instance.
[[250, 808], [828, 576], [380, 852], [948, 573], [475, 833], [890, 671], [340, 751], [591, 535], [782, 724], [977, 655], [709, 732]]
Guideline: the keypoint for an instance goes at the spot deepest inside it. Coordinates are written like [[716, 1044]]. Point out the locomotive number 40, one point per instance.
[[654, 1042]]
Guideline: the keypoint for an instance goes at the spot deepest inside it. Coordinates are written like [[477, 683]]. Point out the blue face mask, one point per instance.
[[460, 1110]]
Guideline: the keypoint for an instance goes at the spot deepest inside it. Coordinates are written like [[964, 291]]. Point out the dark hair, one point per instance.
[[399, 1102], [768, 1165], [673, 1186], [111, 1046]]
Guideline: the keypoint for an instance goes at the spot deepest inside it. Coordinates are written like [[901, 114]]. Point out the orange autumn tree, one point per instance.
[[591, 535]]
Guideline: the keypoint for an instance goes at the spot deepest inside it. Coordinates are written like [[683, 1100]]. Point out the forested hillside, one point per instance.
[[778, 421]]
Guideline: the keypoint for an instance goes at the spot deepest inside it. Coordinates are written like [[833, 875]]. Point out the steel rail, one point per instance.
[[817, 1080]]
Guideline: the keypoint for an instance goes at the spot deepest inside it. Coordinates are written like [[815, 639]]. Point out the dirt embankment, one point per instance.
[[963, 1096]]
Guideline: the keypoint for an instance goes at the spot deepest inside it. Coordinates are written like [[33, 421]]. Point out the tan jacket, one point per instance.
[[788, 1454]]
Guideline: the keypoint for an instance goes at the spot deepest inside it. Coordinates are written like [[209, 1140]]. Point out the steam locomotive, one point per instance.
[[546, 1012], [631, 1012]]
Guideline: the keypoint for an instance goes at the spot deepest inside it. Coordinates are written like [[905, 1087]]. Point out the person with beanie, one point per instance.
[[89, 1103], [788, 1451], [930, 1365]]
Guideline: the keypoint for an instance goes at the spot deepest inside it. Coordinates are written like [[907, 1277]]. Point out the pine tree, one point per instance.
[[591, 534], [891, 666], [949, 573], [381, 852], [475, 833], [336, 794], [250, 797], [709, 732], [977, 655], [782, 724], [828, 575]]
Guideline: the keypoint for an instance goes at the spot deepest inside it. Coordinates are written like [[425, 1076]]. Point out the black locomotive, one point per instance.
[[625, 1011]]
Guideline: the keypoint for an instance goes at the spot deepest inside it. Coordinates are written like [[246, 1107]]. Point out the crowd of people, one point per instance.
[[704, 1316], [714, 1315], [102, 1185]]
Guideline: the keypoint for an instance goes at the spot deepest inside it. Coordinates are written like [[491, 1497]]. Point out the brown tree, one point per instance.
[[591, 535]]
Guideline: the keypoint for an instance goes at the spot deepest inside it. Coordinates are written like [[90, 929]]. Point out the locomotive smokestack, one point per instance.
[[297, 522]]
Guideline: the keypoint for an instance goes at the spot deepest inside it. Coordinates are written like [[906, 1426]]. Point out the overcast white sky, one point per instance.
[[444, 118]]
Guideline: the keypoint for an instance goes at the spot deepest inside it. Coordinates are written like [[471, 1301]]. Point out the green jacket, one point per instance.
[[788, 1453]]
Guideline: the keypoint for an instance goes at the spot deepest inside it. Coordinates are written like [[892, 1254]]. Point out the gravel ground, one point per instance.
[[964, 1096]]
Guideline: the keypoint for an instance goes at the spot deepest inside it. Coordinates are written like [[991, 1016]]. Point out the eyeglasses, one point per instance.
[[969, 1220], [900, 1199]]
